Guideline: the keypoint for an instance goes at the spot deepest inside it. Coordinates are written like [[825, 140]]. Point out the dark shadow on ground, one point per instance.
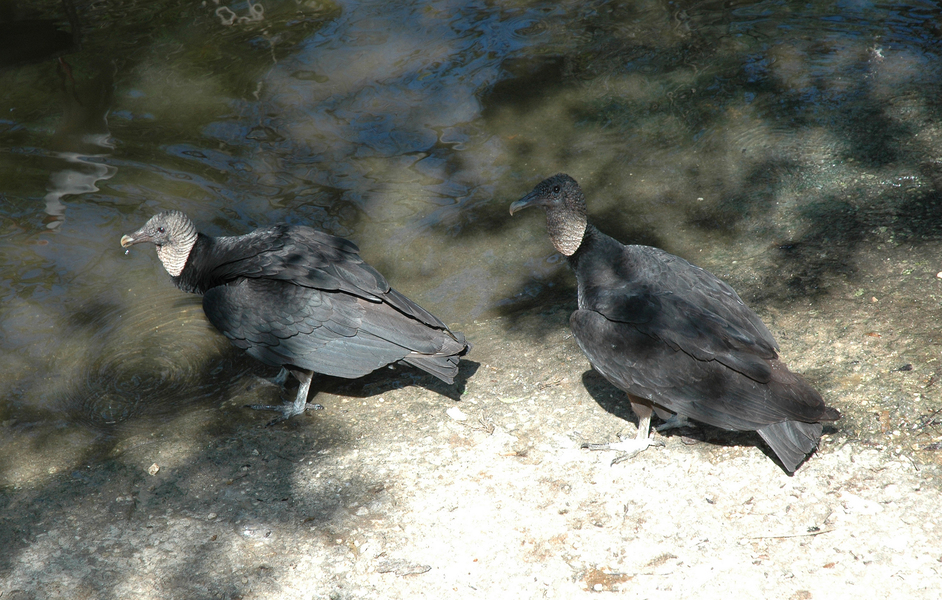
[[239, 486], [616, 403], [387, 379], [221, 470]]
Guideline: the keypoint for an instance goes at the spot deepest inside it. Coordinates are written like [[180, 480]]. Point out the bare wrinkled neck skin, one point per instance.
[[174, 254], [566, 230]]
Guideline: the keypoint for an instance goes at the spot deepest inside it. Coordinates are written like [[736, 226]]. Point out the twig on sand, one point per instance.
[[813, 532]]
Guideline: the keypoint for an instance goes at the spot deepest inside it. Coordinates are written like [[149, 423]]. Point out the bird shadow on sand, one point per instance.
[[615, 402], [381, 381]]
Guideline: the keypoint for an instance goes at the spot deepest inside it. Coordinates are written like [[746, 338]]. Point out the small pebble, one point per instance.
[[455, 413]]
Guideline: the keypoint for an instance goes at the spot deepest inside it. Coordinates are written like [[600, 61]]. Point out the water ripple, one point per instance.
[[152, 360]]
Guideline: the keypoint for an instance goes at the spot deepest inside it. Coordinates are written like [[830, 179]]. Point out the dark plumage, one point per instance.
[[297, 298], [676, 338]]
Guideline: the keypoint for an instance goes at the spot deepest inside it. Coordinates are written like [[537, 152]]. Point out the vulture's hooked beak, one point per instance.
[[137, 237], [531, 199]]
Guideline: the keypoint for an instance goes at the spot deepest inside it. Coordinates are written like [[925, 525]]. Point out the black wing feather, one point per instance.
[[685, 306], [705, 390], [300, 255], [332, 333], [663, 329], [309, 258]]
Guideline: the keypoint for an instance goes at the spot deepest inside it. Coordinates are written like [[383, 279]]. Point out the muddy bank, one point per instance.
[[395, 490]]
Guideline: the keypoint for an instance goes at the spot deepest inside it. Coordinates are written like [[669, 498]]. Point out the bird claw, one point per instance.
[[287, 410], [628, 447]]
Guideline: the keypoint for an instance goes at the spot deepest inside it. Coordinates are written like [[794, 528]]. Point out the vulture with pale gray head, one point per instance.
[[300, 299]]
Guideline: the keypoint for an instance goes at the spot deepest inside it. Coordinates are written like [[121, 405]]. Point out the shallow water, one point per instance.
[[766, 141]]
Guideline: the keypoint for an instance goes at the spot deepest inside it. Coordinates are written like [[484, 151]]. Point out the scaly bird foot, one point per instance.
[[287, 410], [290, 409], [629, 447]]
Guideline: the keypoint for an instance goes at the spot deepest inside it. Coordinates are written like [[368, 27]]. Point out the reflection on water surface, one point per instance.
[[721, 131]]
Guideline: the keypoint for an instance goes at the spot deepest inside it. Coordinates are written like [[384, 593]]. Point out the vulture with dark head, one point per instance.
[[675, 338], [300, 299]]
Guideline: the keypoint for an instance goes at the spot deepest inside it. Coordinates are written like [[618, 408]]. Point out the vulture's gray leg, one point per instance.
[[281, 378], [289, 409], [632, 446]]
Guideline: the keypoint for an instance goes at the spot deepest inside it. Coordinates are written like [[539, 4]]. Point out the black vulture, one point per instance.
[[674, 337], [300, 299]]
